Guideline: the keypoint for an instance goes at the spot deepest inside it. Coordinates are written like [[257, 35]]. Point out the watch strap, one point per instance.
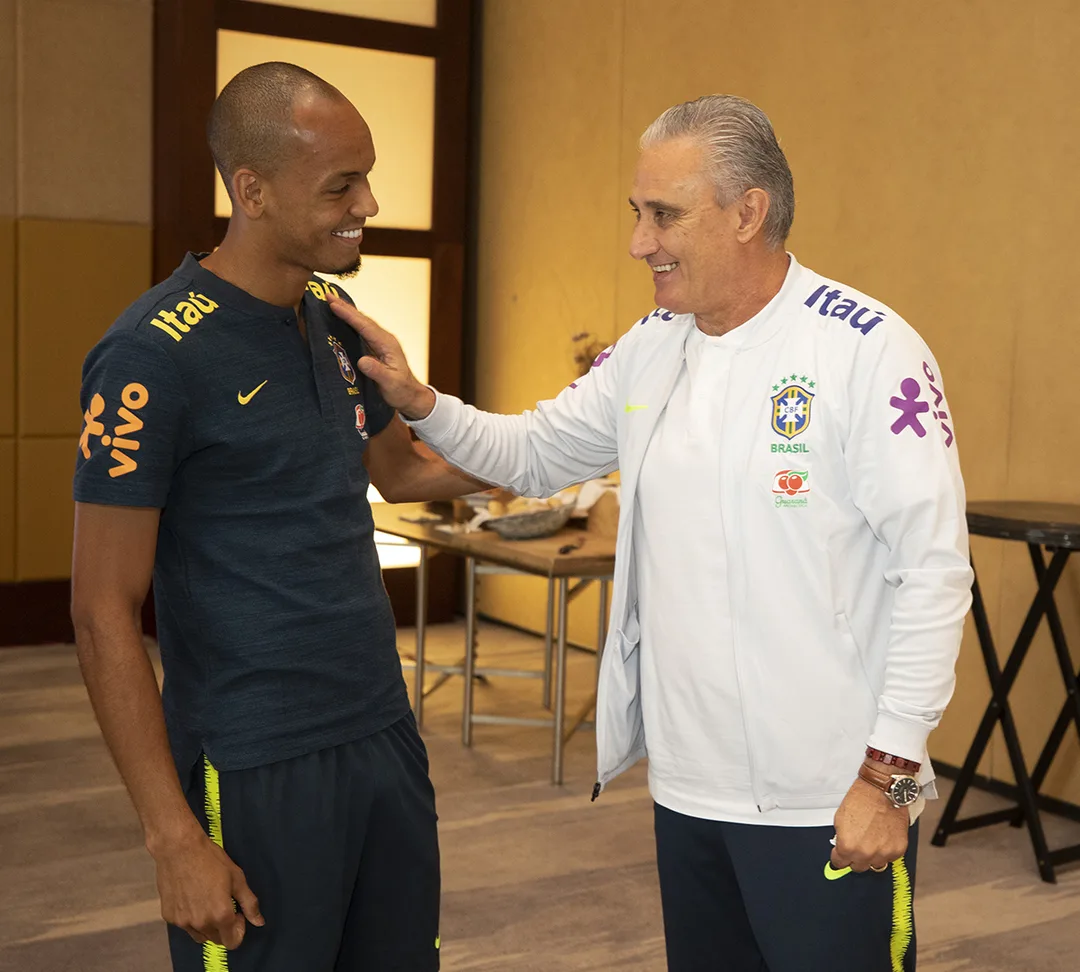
[[874, 776]]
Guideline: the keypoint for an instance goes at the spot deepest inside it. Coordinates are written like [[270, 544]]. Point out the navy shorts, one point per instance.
[[340, 847], [750, 898]]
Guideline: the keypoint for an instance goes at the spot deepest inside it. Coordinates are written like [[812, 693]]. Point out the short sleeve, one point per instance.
[[134, 411]]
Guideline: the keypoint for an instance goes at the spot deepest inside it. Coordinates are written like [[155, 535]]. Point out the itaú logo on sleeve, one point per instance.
[[791, 487]]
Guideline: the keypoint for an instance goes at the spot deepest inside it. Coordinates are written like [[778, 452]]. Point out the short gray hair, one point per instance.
[[741, 152]]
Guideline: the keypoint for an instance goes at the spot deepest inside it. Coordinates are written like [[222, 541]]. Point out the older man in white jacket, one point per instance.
[[791, 572]]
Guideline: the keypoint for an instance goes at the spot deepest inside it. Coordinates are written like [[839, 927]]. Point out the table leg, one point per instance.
[[549, 642], [559, 715], [421, 633], [470, 649]]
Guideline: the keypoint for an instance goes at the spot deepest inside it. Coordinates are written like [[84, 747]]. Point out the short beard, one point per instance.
[[350, 271]]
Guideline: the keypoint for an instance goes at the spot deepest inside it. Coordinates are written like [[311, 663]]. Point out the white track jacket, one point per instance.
[[843, 506]]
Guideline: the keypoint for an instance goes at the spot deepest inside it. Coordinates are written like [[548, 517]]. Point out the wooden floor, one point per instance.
[[536, 878]]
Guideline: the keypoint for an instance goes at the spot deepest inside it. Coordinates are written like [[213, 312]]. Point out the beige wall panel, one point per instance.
[[7, 108], [84, 136], [74, 279], [7, 510], [549, 205], [549, 147], [7, 326], [44, 508], [523, 600]]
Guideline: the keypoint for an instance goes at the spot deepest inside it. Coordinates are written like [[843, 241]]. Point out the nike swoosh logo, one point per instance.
[[634, 408], [244, 399], [831, 874]]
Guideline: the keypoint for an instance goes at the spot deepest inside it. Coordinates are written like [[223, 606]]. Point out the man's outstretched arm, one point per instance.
[[563, 441]]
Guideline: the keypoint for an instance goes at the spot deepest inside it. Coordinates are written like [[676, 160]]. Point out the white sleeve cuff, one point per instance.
[[899, 737], [440, 420]]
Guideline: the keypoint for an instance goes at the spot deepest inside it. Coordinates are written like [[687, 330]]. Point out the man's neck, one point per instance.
[[756, 286], [243, 263]]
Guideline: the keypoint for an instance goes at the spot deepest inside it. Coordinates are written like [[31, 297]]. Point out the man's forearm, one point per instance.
[[127, 702], [432, 478]]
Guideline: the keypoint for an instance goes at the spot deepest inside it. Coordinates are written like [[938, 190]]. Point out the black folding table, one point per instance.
[[1049, 530]]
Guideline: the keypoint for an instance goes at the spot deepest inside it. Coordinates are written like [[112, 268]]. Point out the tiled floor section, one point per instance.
[[536, 878]]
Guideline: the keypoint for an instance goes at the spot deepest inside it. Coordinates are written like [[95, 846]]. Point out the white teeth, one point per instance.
[[664, 267], [350, 234]]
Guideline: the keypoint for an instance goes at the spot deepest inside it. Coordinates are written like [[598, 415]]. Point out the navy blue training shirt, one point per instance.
[[277, 637]]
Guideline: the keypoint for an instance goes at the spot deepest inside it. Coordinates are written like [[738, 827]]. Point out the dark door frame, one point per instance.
[[185, 75]]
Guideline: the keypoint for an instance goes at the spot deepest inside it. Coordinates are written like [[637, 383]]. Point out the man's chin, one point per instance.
[[669, 301], [349, 270]]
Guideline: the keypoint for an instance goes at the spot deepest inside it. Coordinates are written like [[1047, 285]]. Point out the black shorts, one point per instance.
[[340, 847], [750, 898]]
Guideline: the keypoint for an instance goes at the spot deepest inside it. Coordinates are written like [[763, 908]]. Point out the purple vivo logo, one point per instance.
[[911, 407]]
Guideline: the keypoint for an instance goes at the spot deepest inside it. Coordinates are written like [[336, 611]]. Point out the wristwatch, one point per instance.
[[901, 789]]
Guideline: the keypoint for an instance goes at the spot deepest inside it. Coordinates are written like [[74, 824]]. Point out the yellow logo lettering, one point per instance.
[[125, 464], [192, 310], [134, 396], [204, 303], [161, 326]]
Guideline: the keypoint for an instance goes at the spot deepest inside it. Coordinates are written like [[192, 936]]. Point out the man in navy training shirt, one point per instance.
[[228, 444]]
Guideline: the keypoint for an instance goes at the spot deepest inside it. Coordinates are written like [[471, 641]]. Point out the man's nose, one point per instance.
[[366, 206], [642, 242]]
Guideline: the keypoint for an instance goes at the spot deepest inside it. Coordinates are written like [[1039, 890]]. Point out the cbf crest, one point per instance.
[[791, 406], [344, 364]]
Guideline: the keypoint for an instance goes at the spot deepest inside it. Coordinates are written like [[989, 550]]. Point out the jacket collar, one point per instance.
[[768, 321]]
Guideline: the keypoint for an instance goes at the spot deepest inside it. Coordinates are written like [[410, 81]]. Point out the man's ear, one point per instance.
[[753, 208], [247, 192]]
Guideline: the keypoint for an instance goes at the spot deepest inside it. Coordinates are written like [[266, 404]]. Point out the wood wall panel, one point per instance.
[[8, 101], [7, 510], [74, 279], [45, 511], [84, 135], [933, 156], [7, 326]]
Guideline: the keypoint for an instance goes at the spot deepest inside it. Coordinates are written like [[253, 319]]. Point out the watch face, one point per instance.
[[904, 790]]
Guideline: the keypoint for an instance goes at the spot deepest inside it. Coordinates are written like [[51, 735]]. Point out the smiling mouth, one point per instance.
[[353, 234], [664, 267]]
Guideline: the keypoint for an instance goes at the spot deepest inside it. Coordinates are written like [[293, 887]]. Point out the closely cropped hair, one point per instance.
[[252, 117], [741, 152]]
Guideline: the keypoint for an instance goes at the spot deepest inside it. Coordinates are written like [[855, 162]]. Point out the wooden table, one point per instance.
[[1055, 527], [593, 558]]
